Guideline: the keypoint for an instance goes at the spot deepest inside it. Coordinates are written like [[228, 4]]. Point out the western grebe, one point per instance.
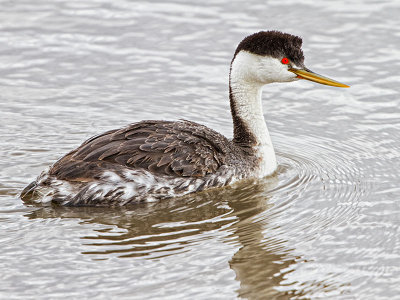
[[152, 160]]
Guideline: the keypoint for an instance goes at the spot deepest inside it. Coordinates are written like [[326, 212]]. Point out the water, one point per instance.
[[326, 227]]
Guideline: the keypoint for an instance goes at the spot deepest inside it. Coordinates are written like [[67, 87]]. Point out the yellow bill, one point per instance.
[[309, 75]]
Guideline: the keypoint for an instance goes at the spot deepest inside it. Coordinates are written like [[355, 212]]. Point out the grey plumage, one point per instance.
[[183, 153], [164, 148]]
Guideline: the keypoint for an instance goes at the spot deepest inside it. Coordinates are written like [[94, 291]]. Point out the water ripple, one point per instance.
[[327, 226]]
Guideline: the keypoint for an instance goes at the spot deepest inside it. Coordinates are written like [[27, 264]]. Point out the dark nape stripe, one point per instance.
[[241, 133]]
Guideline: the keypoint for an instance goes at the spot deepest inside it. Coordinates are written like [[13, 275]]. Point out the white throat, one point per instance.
[[246, 88]]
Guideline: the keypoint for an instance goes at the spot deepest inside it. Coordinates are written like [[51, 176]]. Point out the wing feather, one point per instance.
[[180, 148]]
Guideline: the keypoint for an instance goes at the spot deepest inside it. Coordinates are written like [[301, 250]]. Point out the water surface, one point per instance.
[[327, 226]]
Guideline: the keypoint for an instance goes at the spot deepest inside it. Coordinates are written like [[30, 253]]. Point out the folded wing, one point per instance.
[[179, 149]]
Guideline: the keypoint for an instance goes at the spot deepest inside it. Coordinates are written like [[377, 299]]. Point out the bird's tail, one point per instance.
[[29, 192]]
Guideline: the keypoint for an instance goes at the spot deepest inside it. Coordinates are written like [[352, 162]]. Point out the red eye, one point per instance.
[[285, 61]]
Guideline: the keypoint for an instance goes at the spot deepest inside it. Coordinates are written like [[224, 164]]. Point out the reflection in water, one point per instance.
[[148, 229], [155, 230], [259, 264]]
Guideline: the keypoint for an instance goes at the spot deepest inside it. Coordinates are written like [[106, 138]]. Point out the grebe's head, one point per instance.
[[272, 56]]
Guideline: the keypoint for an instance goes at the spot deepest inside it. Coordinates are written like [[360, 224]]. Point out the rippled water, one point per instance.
[[327, 226]]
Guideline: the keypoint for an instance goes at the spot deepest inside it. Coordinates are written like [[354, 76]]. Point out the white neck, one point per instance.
[[246, 97]]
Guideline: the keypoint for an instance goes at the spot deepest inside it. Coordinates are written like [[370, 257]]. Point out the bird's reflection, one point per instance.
[[259, 263], [167, 228]]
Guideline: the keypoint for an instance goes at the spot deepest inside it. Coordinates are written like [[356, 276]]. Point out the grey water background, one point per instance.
[[327, 226]]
